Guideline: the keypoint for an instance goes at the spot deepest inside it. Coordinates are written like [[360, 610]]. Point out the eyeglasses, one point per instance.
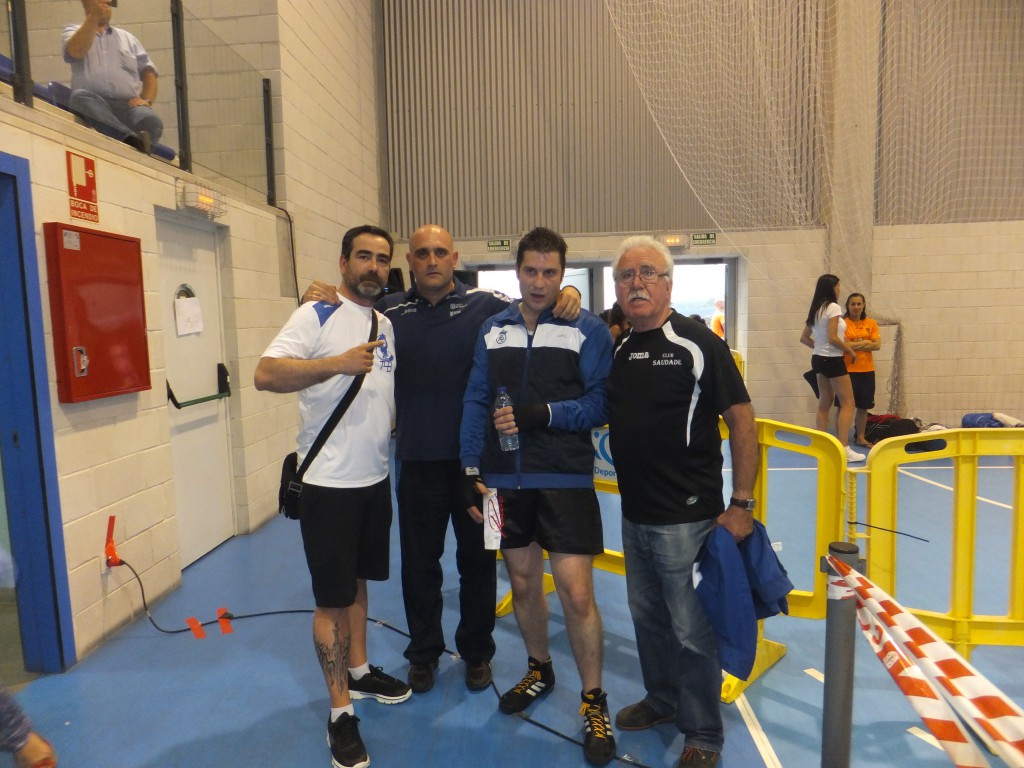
[[648, 275]]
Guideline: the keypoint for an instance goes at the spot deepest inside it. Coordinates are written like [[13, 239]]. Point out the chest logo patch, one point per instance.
[[639, 355], [384, 354]]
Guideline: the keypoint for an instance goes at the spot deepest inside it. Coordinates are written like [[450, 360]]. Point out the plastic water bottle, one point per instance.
[[505, 442]]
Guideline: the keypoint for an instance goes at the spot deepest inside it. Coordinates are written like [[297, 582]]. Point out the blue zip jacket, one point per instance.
[[434, 344], [563, 364], [737, 584]]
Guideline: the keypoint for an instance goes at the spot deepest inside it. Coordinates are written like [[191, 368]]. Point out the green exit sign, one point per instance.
[[703, 238], [499, 245]]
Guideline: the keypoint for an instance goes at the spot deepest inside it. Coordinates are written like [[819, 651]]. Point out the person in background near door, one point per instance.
[[436, 323], [113, 80], [718, 319], [30, 750], [670, 380], [345, 506], [824, 333], [862, 335], [555, 372]]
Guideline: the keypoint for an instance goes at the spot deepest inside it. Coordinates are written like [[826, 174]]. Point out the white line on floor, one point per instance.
[[950, 488], [819, 676], [771, 760]]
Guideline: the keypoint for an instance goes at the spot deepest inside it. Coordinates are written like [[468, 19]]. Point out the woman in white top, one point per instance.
[[824, 333]]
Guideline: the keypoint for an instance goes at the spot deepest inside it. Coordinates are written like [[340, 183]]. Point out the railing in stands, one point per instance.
[[215, 120]]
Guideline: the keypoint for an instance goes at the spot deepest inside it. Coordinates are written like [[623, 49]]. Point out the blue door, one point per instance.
[[27, 461]]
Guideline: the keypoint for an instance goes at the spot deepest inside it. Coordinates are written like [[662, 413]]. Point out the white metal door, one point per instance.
[[190, 306]]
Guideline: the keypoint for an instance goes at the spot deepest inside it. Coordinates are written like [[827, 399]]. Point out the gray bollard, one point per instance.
[[840, 633]]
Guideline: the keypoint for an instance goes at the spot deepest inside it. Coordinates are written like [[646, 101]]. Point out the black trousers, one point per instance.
[[428, 497]]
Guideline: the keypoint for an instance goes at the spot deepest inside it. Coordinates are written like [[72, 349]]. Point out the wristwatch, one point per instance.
[[747, 504]]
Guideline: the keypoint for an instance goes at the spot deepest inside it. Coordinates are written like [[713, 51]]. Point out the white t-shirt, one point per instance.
[[822, 346], [356, 454]]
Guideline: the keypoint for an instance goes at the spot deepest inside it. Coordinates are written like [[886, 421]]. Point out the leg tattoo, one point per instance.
[[334, 659]]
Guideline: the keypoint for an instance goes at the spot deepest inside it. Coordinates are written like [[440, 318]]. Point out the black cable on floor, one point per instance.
[[226, 615], [369, 619], [521, 715]]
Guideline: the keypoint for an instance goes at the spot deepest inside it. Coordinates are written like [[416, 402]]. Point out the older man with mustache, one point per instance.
[[670, 380]]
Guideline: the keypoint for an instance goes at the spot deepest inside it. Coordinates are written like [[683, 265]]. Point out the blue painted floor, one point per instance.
[[256, 698]]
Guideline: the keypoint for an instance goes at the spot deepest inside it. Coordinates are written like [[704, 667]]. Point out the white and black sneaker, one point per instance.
[[347, 750], [538, 681], [380, 686]]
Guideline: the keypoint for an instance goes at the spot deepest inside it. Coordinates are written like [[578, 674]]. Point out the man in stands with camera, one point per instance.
[[113, 80]]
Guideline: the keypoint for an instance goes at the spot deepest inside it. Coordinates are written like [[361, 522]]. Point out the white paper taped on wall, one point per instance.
[[188, 315]]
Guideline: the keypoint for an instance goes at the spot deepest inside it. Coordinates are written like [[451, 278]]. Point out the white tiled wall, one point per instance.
[[954, 292], [958, 293]]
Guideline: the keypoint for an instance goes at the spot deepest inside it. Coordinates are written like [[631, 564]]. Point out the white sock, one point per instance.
[[358, 672], [337, 712]]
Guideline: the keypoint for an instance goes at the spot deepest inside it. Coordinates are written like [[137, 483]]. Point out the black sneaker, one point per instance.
[[421, 676], [376, 684], [538, 681], [347, 750], [598, 741]]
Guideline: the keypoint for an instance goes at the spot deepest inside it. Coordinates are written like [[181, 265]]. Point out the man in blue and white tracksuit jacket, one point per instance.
[[555, 372], [562, 365]]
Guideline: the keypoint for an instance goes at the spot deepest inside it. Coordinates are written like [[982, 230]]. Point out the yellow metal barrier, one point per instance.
[[831, 498], [831, 501], [740, 363], [836, 506], [959, 626], [829, 524]]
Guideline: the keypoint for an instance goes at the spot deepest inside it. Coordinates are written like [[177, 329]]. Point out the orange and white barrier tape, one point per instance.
[[933, 710], [996, 719]]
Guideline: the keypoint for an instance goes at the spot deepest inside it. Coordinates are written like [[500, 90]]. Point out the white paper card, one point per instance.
[[493, 520], [188, 315]]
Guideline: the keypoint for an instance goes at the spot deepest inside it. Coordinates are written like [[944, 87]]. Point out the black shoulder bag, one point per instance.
[[289, 493]]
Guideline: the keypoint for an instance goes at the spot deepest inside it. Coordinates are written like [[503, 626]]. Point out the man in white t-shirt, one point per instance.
[[345, 506]]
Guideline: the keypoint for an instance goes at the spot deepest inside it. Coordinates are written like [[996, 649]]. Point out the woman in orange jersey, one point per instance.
[[862, 335]]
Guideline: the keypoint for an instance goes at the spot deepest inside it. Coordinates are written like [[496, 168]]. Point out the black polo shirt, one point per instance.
[[666, 390]]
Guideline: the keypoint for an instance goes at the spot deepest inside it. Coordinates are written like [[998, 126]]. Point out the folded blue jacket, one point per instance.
[[737, 584]]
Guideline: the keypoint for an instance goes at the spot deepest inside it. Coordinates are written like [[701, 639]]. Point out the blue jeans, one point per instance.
[[114, 118], [675, 640]]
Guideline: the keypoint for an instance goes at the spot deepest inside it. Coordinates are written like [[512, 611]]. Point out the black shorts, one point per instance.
[[863, 389], [346, 533], [829, 367], [562, 520]]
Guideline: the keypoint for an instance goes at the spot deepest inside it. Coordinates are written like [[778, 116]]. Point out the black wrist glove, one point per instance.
[[470, 495], [531, 416]]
